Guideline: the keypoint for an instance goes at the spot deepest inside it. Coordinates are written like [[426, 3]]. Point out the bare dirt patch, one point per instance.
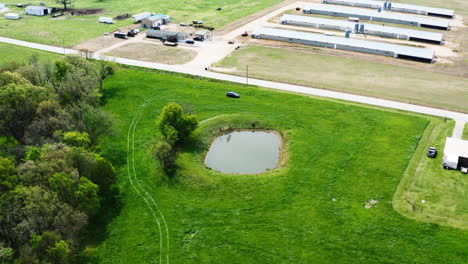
[[154, 53], [98, 43]]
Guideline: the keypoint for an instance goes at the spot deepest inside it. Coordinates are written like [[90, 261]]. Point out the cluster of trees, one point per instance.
[[51, 180], [175, 126]]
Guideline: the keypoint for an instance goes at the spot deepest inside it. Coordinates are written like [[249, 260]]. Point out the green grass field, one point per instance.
[[15, 53], [465, 132], [77, 29], [346, 151], [350, 75], [443, 191]]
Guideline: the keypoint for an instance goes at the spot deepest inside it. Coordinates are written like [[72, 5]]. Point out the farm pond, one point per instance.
[[244, 152]]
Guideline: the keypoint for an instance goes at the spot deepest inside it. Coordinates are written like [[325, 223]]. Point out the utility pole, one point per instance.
[[63, 45], [247, 75]]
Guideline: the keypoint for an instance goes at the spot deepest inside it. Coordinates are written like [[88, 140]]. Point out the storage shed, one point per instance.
[[455, 153], [155, 21], [372, 15], [164, 35], [364, 46], [399, 7], [37, 10], [369, 29], [13, 16]]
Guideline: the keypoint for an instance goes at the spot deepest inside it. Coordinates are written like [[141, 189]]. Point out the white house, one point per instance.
[[37, 10], [456, 153]]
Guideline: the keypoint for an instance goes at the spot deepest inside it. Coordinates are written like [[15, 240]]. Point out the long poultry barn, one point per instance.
[[364, 28], [399, 7], [364, 46], [372, 15]]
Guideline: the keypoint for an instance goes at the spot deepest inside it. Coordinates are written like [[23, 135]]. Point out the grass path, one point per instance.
[[140, 190]]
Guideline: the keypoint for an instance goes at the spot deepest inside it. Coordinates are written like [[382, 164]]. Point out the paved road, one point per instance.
[[460, 118]]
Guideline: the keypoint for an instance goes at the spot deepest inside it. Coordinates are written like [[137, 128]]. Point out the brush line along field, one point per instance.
[[335, 150]]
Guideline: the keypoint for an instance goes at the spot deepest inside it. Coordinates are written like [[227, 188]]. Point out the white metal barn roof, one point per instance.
[[397, 6], [456, 147], [397, 49], [37, 7], [426, 35], [372, 13]]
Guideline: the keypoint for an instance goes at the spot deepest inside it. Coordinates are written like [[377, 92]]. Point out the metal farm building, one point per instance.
[[364, 46], [376, 16], [164, 35], [399, 7], [364, 28]]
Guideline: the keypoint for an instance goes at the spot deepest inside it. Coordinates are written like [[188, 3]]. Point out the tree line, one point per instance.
[[52, 181]]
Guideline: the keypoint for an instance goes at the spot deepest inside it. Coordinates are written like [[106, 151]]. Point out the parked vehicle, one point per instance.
[[13, 16], [218, 9], [209, 28], [130, 33], [121, 35], [232, 95], [198, 38], [169, 43], [182, 24], [432, 152], [106, 20], [197, 22], [231, 42], [189, 41], [245, 34]]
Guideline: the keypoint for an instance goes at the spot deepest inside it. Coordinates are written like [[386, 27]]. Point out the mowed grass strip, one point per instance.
[[350, 75], [76, 29], [18, 54], [154, 53], [443, 191], [349, 152]]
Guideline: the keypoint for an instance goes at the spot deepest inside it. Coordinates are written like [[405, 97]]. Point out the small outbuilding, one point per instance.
[[37, 10], [455, 153], [166, 35], [155, 21], [13, 16], [204, 34]]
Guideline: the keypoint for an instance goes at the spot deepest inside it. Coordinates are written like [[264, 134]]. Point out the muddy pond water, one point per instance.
[[244, 152]]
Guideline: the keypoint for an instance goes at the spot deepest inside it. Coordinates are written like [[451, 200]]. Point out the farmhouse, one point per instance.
[[456, 153], [166, 35], [38, 10], [399, 7], [364, 28], [396, 18], [155, 21], [372, 47]]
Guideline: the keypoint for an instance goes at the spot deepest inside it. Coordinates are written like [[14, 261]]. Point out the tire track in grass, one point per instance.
[[141, 191]]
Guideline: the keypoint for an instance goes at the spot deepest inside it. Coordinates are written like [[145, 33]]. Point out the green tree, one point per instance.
[[59, 252], [86, 196], [8, 178], [104, 69], [76, 139], [166, 155], [6, 255], [63, 185], [174, 124], [33, 154], [18, 103]]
